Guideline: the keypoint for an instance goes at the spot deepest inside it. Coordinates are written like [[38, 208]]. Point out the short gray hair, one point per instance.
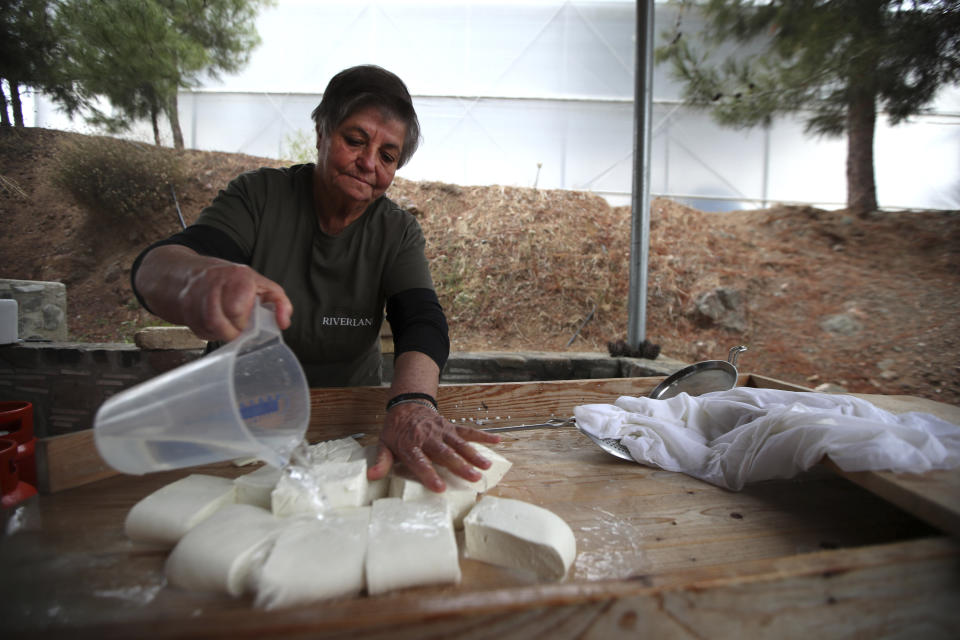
[[365, 86]]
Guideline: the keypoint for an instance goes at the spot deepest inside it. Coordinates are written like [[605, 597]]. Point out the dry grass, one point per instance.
[[529, 264], [527, 267], [518, 268], [522, 269]]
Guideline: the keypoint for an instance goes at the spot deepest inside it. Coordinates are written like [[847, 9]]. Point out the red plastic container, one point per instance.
[[16, 423], [12, 489]]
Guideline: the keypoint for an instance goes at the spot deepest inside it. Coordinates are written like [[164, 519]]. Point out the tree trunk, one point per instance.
[[4, 115], [154, 120], [861, 186], [15, 100], [174, 116]]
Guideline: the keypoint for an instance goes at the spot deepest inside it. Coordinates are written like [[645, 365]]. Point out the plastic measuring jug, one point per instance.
[[249, 398]]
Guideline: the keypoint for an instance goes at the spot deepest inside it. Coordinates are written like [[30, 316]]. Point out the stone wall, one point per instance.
[[67, 382], [42, 308], [540, 365]]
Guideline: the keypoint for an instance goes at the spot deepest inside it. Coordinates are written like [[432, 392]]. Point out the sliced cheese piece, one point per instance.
[[315, 559], [340, 450], [516, 534], [460, 495], [164, 516], [376, 489], [313, 490], [220, 552], [344, 484], [255, 487], [499, 466], [410, 544]]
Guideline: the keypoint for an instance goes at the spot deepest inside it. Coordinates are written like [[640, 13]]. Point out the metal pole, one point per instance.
[[766, 165], [193, 121], [640, 198]]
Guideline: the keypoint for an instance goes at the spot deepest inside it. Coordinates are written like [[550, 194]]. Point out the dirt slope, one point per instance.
[[871, 305]]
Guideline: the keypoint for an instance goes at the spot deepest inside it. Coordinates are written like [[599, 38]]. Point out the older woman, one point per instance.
[[329, 250]]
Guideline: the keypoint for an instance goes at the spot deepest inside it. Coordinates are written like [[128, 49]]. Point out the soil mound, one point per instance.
[[817, 296]]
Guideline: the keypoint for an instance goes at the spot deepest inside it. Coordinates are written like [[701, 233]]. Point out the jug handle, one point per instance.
[[264, 316], [734, 352], [262, 322]]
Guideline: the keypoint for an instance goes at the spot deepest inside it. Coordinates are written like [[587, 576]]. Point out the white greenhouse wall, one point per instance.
[[540, 92]]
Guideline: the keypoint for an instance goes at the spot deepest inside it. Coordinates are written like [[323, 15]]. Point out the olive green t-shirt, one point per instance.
[[338, 284]]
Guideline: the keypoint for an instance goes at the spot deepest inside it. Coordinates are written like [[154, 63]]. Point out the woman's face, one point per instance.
[[358, 160]]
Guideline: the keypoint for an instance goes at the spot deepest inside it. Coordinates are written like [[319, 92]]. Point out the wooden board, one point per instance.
[[69, 460], [907, 589], [933, 496], [657, 551], [659, 554], [482, 405], [72, 460]]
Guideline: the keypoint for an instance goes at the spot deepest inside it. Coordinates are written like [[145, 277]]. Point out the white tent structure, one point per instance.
[[540, 93]]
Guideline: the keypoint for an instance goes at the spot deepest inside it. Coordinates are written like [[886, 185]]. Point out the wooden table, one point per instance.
[[659, 554]]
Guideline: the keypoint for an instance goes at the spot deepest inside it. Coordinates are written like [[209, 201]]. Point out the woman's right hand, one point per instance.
[[213, 297], [218, 299]]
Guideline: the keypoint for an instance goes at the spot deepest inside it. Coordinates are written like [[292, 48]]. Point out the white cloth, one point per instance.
[[730, 438]]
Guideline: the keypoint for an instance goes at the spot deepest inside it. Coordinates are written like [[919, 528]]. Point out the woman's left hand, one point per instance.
[[419, 437]]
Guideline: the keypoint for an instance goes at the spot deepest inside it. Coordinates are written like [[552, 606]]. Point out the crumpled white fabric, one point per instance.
[[730, 438]]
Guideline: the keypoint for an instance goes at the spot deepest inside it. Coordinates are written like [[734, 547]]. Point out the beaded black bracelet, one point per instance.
[[422, 403], [403, 397]]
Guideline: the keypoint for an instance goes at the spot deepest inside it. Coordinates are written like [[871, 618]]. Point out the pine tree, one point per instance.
[[842, 61], [27, 51], [137, 54]]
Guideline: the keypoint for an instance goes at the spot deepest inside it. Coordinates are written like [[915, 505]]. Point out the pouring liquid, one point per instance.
[[301, 484], [155, 449]]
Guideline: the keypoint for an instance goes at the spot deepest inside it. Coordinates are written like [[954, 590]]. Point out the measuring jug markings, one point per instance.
[[170, 452], [260, 407], [263, 417], [158, 410], [165, 453]]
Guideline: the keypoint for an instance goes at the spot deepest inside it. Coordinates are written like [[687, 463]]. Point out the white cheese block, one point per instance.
[[314, 559], [220, 552], [376, 489], [344, 484], [520, 535], [498, 468], [313, 490], [255, 487], [164, 516], [460, 495], [410, 544], [340, 450], [297, 494]]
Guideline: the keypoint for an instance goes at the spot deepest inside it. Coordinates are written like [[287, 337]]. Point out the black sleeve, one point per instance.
[[418, 324], [205, 240]]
